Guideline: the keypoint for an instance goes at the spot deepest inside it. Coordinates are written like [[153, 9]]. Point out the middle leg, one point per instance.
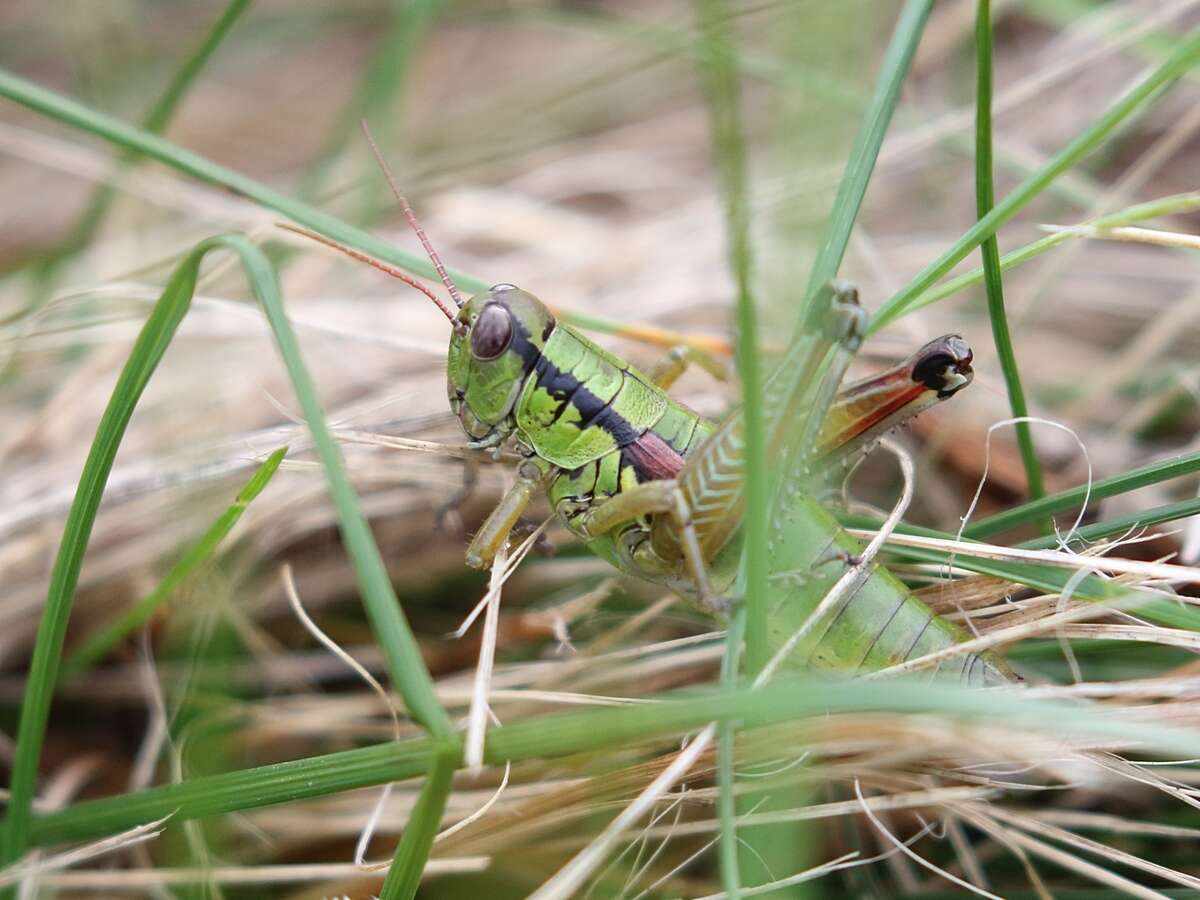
[[654, 498]]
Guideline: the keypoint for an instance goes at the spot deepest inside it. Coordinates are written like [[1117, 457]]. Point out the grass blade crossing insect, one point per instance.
[[655, 489]]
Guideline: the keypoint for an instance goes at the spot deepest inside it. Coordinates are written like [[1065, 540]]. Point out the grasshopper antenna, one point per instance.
[[451, 288], [372, 261]]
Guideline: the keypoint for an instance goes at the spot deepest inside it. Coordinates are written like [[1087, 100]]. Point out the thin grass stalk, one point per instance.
[[1164, 206], [722, 88], [786, 698], [1142, 94], [897, 60], [727, 850], [1055, 580], [96, 647], [1040, 576], [399, 646], [156, 121], [990, 252], [1085, 534]]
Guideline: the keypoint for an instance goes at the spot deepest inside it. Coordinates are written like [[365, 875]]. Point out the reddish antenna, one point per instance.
[[412, 218], [372, 261]]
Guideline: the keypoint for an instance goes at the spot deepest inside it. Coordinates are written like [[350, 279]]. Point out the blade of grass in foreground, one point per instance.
[[1185, 56], [786, 699], [990, 251], [404, 876], [391, 630], [99, 645], [726, 754], [722, 90]]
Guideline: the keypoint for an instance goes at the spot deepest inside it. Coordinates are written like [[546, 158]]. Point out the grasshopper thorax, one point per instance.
[[497, 340]]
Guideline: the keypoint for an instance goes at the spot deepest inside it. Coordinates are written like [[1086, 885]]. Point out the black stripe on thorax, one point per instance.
[[568, 389]]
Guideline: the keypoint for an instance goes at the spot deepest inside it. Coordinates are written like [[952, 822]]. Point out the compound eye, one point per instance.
[[492, 332]]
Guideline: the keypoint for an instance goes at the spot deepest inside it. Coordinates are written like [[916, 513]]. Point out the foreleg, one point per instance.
[[500, 523]]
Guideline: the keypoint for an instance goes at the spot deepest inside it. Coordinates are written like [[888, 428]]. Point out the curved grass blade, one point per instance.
[[990, 252], [100, 644], [1183, 58], [411, 677], [787, 698]]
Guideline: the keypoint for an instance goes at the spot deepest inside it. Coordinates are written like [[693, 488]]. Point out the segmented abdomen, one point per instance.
[[880, 625]]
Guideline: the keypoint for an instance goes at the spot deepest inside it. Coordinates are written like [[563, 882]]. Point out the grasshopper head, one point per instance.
[[497, 339]]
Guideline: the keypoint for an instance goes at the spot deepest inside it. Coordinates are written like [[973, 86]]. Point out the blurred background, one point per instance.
[[563, 147]]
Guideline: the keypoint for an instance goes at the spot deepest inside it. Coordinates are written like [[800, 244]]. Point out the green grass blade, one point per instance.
[[1070, 499], [722, 88], [788, 698], [1144, 518], [213, 795], [989, 250], [726, 759], [155, 122], [99, 645], [1165, 206], [408, 863], [406, 668], [1184, 57], [405, 664], [391, 630], [142, 142], [853, 187], [47, 648]]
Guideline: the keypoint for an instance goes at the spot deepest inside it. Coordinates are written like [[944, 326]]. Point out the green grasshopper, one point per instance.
[[655, 489]]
